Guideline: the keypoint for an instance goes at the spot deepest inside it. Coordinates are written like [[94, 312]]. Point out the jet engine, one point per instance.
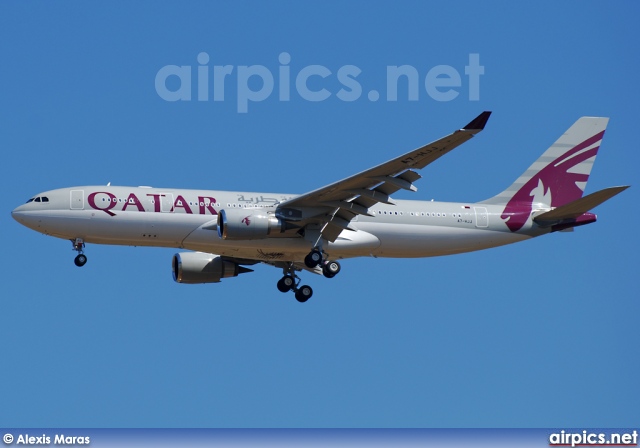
[[199, 267], [248, 224]]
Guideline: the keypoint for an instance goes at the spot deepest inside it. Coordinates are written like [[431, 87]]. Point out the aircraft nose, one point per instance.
[[22, 215], [18, 213]]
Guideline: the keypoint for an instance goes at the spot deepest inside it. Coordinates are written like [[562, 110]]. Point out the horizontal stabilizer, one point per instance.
[[576, 208]]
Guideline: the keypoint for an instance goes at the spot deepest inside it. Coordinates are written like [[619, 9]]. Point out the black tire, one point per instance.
[[80, 260], [304, 293], [313, 259], [330, 269], [286, 283]]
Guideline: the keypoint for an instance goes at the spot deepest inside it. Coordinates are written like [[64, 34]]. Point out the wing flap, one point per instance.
[[332, 230]]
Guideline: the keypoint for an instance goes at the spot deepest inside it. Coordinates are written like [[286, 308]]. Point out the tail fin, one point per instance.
[[558, 177]]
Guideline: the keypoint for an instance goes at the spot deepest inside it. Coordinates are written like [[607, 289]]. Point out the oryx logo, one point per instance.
[[270, 255], [561, 181], [246, 220]]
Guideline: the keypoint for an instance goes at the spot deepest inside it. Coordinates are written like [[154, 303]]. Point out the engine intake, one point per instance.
[[199, 267], [248, 224]]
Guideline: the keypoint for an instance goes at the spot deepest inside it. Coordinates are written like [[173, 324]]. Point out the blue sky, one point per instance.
[[537, 334]]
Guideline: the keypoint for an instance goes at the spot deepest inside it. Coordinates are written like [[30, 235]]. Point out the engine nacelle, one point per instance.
[[199, 267], [247, 224]]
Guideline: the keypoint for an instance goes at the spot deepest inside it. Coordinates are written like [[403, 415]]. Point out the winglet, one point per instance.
[[478, 123]]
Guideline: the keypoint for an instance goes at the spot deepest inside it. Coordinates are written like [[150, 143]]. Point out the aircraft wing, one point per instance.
[[335, 205]]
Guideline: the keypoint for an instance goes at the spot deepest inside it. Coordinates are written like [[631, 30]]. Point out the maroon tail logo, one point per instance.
[[246, 220], [556, 184]]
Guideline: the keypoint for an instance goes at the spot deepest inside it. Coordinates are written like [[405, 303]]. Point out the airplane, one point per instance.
[[226, 231]]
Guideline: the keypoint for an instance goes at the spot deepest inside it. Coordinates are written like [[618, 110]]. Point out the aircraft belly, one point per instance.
[[410, 240], [264, 249], [133, 229], [353, 244], [58, 223], [349, 244]]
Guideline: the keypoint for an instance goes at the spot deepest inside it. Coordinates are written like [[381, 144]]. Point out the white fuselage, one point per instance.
[[142, 216]]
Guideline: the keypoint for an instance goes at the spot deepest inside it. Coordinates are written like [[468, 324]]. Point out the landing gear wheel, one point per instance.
[[78, 246], [304, 293], [286, 283], [80, 260], [313, 259], [330, 268]]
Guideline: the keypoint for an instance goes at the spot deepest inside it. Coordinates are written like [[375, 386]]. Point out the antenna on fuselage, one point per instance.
[[109, 184]]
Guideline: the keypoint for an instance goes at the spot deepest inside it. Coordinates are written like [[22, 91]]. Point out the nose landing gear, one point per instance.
[[78, 246], [80, 260]]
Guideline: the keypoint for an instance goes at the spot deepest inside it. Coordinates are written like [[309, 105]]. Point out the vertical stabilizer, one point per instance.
[[558, 177]]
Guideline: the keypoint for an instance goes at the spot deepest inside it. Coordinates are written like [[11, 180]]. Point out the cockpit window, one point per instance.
[[39, 199]]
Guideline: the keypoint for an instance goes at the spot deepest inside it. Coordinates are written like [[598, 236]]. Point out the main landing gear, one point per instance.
[[78, 246], [313, 259], [329, 268], [291, 282]]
